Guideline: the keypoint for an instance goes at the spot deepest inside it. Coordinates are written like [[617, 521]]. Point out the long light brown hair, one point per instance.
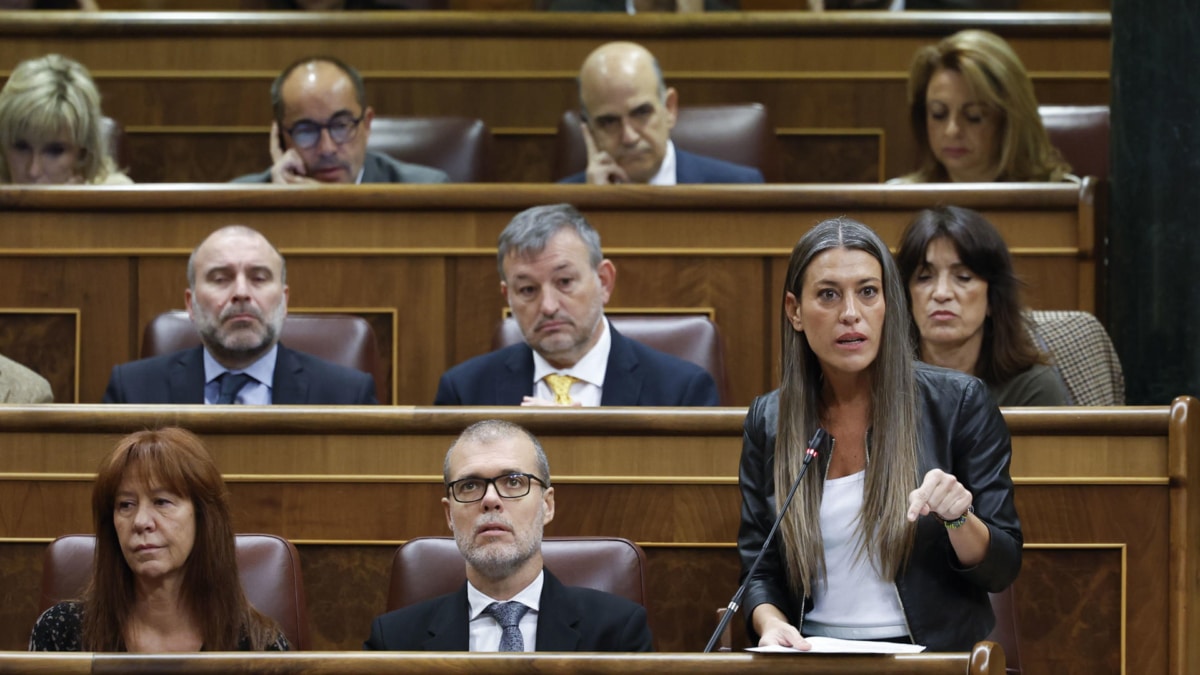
[[997, 78], [892, 454], [176, 460]]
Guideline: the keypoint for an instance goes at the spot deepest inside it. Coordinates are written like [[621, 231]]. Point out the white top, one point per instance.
[[666, 171], [589, 370], [255, 392], [854, 601], [485, 631]]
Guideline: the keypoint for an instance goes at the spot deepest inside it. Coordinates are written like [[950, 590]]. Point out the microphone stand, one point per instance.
[[735, 602]]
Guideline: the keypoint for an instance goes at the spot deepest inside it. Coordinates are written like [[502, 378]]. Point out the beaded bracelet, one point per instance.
[[957, 522]]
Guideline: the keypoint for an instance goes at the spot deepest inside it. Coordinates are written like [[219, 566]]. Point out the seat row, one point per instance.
[[1079, 346], [423, 568], [741, 134]]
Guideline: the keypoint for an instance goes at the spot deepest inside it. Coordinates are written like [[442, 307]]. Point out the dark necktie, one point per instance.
[[508, 615], [231, 384]]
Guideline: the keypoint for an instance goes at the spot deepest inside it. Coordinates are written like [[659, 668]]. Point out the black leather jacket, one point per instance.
[[962, 433]]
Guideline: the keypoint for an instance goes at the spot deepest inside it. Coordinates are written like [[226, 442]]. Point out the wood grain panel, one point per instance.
[[94, 291], [1073, 597], [46, 342]]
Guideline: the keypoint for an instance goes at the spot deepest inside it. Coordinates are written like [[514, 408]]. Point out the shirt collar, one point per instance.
[[262, 370], [590, 368], [666, 171], [530, 596]]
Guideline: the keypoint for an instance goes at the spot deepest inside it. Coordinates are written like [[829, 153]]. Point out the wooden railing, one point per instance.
[[986, 659]]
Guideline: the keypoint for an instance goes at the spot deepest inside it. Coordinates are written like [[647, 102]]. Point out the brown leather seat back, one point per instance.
[[741, 134], [427, 567], [691, 337], [344, 339], [268, 565], [457, 145], [1081, 134]]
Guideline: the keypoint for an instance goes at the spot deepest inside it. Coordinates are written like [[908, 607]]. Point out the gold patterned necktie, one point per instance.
[[561, 386]]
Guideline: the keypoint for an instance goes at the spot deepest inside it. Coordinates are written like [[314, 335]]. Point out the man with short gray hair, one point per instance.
[[498, 499], [557, 282]]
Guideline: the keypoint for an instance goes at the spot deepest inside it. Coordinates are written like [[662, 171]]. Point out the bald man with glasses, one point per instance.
[[498, 499], [322, 124]]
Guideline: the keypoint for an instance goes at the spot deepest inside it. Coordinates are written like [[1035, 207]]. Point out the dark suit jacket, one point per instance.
[[696, 169], [179, 378], [635, 375], [377, 168], [571, 619]]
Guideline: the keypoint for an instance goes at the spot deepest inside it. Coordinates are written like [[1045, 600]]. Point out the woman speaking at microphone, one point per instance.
[[906, 520]]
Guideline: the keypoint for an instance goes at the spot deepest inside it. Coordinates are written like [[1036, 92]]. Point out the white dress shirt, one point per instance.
[[589, 370], [666, 171], [485, 631], [256, 391]]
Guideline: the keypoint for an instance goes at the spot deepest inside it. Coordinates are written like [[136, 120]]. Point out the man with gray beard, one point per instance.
[[237, 298], [498, 499]]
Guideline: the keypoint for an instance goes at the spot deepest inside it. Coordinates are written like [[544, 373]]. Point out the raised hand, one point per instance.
[[286, 167], [602, 169], [940, 493]]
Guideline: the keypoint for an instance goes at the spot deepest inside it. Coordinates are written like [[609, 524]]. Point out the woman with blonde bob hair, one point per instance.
[[50, 126], [906, 519], [164, 576], [975, 117]]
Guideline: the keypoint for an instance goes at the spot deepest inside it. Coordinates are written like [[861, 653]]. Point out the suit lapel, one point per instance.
[[371, 170], [685, 170], [448, 627], [289, 385], [509, 390], [185, 380], [558, 618], [622, 379]]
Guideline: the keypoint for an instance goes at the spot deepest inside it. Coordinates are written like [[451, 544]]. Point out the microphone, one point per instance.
[[735, 602]]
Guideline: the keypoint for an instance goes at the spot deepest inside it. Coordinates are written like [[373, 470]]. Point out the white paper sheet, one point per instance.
[[826, 645]]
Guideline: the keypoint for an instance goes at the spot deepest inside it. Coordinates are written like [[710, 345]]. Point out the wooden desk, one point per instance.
[[192, 89], [985, 659], [86, 269], [1107, 583]]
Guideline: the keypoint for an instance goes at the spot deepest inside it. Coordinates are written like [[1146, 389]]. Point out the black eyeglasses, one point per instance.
[[508, 486], [341, 129]]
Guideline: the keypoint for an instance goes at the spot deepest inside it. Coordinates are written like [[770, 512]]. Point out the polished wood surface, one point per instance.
[[425, 256], [985, 659], [1106, 584], [191, 89]]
